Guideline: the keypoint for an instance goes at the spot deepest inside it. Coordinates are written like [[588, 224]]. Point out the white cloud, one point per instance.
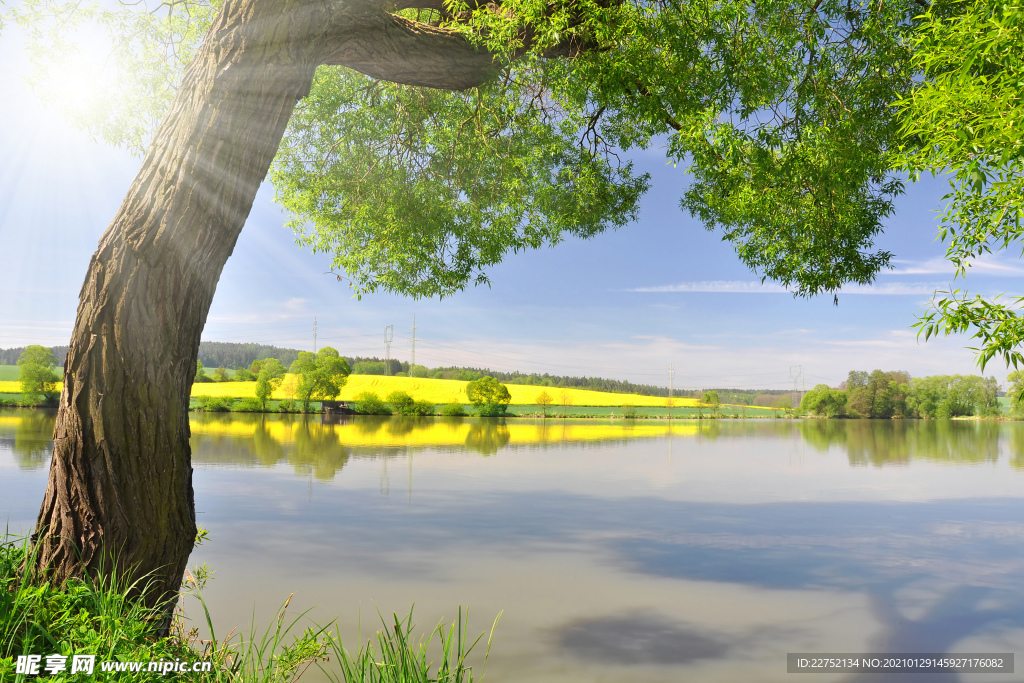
[[755, 287], [723, 363], [984, 265]]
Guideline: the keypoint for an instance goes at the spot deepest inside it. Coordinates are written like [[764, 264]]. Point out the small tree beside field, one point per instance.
[[544, 399], [38, 378], [321, 376], [489, 396], [271, 374]]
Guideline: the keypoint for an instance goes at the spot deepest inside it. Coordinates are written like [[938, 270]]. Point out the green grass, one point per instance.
[[643, 412], [12, 373], [82, 617], [97, 617]]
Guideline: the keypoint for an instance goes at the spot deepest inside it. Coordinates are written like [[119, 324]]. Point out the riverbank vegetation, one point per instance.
[[889, 395], [104, 620], [327, 375]]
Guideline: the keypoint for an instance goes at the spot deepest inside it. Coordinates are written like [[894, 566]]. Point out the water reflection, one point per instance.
[[322, 446], [957, 614], [646, 638], [897, 442], [611, 553], [29, 435]]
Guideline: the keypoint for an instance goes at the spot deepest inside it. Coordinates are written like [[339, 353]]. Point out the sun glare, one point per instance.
[[78, 78]]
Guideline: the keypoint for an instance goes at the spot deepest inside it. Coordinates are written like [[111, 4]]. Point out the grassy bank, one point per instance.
[[98, 622]]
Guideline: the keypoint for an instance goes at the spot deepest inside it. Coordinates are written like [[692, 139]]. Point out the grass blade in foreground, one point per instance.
[[402, 662]]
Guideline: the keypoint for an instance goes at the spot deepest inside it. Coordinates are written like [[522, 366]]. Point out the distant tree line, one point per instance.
[[233, 355], [547, 380], [11, 356], [895, 394]]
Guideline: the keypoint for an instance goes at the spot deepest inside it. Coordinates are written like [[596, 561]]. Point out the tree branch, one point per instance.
[[395, 49]]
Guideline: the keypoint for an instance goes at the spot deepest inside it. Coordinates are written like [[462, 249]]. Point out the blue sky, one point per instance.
[[627, 305]]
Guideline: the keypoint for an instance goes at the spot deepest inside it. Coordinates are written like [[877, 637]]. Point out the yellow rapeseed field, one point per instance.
[[14, 386], [437, 391], [441, 391]]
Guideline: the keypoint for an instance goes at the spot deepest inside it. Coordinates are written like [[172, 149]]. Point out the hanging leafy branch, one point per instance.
[[966, 118]]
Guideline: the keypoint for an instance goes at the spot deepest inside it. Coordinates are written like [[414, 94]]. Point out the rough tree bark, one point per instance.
[[120, 483]]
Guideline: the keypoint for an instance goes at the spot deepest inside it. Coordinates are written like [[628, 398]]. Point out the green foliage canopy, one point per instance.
[[944, 396], [321, 375], [821, 400], [488, 395], [778, 108], [271, 374], [966, 118], [879, 395], [782, 110], [37, 373]]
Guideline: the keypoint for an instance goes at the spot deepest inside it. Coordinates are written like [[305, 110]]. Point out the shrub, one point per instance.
[[491, 410], [286, 406], [401, 402], [452, 410], [249, 405], [423, 408], [214, 404], [369, 403], [629, 410]]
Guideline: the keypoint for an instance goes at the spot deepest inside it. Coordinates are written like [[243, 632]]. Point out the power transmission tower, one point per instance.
[[412, 356], [671, 378], [796, 374], [389, 334], [314, 334]]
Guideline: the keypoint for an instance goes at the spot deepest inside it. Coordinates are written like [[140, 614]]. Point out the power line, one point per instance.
[[389, 333]]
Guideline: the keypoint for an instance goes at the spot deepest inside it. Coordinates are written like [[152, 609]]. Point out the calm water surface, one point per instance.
[[648, 552]]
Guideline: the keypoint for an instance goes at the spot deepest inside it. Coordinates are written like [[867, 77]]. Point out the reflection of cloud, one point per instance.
[[643, 638], [756, 287], [954, 616]]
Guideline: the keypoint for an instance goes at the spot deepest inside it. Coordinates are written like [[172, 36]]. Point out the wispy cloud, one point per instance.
[[985, 265], [755, 287], [269, 312]]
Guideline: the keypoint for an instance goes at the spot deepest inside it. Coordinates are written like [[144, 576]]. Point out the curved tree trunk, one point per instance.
[[120, 486], [120, 482]]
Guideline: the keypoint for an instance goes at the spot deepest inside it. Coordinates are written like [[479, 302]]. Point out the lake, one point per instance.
[[649, 551]]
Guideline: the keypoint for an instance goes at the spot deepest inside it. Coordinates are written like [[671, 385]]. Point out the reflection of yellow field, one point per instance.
[[443, 391], [437, 433]]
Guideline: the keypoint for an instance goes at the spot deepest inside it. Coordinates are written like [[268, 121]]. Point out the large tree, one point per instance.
[[432, 138]]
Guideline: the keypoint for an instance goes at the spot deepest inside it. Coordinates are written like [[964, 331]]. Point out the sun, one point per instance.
[[76, 77]]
